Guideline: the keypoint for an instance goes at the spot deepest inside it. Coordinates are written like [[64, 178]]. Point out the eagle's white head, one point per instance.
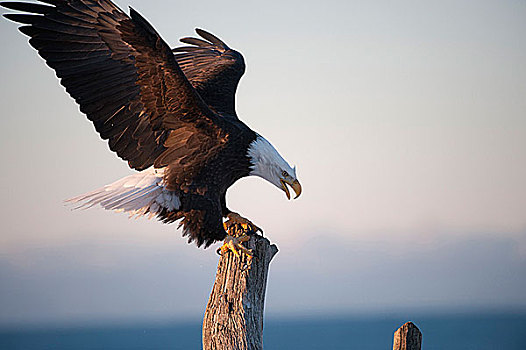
[[270, 165]]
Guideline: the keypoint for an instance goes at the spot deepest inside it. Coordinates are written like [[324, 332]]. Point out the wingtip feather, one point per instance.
[[26, 6], [211, 37]]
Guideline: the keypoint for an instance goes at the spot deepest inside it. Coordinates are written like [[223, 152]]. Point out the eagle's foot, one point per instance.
[[234, 243], [236, 223]]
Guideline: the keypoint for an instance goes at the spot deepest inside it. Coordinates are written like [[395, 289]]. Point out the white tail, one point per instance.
[[136, 194]]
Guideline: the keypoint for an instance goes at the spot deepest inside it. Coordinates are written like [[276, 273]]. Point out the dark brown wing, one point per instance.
[[213, 68], [124, 77]]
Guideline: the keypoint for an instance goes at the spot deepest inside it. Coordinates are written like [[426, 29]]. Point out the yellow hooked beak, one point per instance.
[[295, 184]]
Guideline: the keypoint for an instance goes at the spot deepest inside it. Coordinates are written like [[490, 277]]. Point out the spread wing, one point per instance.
[[213, 68], [124, 77]]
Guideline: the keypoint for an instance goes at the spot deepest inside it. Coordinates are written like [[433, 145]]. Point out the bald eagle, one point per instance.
[[170, 113]]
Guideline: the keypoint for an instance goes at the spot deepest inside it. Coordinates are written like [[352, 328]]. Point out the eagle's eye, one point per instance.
[[284, 173]]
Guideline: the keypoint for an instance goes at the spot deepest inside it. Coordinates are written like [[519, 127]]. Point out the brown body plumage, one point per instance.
[[157, 107]]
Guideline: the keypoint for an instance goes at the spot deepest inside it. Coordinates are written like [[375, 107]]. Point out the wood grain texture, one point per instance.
[[407, 337], [234, 314]]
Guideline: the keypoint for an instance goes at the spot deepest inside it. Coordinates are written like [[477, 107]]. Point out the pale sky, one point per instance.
[[406, 120]]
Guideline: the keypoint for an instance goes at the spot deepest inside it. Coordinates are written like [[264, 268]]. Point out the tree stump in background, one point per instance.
[[234, 314], [407, 337]]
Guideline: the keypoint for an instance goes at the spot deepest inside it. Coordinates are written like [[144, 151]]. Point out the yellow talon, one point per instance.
[[237, 228], [235, 245], [236, 222]]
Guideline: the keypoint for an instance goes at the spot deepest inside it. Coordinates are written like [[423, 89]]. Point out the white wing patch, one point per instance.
[[137, 194]]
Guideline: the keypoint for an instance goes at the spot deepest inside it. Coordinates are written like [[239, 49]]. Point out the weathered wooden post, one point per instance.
[[407, 337], [234, 314]]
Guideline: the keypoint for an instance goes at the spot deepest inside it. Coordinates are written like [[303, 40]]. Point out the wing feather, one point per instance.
[[213, 69], [123, 76], [172, 110]]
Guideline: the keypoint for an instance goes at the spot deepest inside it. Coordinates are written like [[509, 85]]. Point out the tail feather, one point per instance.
[[132, 196], [137, 195]]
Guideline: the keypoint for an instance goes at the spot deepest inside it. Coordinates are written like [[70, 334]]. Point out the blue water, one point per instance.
[[478, 332]]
